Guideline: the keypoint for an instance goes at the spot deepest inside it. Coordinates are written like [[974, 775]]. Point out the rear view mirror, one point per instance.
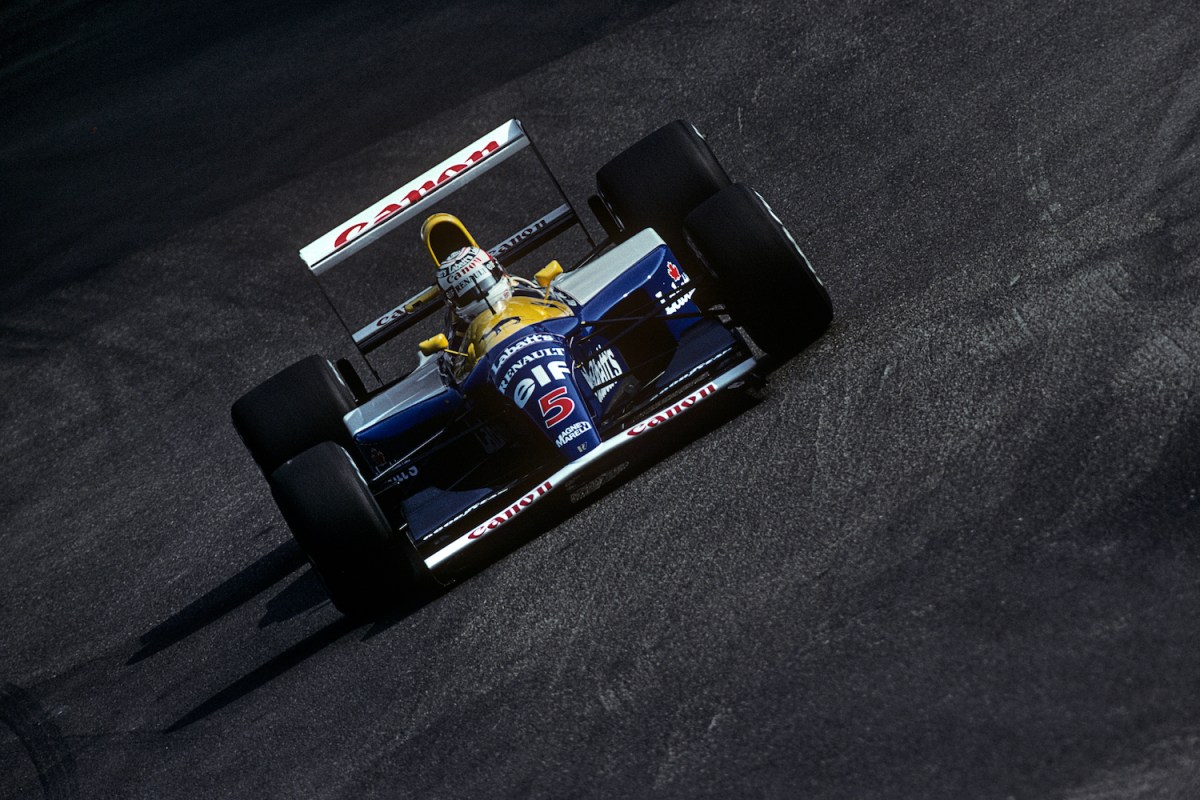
[[435, 344], [548, 273]]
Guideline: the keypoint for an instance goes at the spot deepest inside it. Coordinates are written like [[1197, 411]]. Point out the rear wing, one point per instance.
[[418, 195]]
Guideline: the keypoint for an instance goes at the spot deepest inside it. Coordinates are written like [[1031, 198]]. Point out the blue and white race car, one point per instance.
[[545, 394]]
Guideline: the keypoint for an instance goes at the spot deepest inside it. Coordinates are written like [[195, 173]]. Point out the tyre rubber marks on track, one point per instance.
[[42, 739]]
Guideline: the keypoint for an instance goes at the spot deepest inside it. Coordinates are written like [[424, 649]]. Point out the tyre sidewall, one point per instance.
[[766, 282]]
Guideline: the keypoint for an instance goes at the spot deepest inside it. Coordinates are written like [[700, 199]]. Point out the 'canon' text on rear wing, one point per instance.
[[419, 194], [372, 222]]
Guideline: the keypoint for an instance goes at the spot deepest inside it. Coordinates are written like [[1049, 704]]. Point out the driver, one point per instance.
[[472, 282], [484, 304]]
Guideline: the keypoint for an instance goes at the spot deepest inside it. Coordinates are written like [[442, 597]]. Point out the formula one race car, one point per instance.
[[550, 389]]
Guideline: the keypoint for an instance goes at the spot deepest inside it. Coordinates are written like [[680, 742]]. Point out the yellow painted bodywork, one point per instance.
[[489, 329]]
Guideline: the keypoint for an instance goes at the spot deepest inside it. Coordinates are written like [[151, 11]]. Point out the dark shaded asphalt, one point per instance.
[[952, 554], [122, 125]]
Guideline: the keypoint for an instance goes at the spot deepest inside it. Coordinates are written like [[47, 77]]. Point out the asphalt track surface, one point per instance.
[[952, 553]]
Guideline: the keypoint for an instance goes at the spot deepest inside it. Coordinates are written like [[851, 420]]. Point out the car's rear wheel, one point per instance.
[[658, 180], [766, 282], [366, 566], [287, 414]]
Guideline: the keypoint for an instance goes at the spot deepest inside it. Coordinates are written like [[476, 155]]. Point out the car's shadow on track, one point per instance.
[[305, 591], [293, 656], [267, 672], [229, 595]]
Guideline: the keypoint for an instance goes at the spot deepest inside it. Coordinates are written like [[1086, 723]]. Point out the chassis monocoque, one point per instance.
[[384, 488]]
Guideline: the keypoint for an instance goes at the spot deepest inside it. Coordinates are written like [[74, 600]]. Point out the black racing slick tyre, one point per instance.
[[658, 180], [365, 565], [766, 282], [287, 414]]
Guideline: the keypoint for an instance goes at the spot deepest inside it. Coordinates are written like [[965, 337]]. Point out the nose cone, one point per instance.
[[536, 373]]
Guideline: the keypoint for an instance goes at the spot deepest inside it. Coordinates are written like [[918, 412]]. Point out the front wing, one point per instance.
[[453, 539]]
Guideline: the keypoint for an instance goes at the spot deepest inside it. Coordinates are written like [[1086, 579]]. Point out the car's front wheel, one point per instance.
[[766, 281], [287, 414], [366, 566]]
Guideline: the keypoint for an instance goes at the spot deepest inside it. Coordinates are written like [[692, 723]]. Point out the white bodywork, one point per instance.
[[374, 221], [421, 384], [583, 283]]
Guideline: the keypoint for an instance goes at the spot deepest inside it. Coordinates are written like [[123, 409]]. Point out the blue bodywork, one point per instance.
[[543, 397]]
